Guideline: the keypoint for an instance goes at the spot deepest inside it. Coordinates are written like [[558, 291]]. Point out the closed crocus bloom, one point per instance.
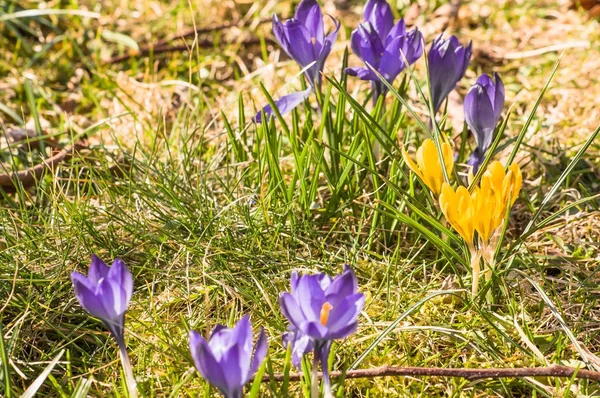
[[105, 293], [226, 359], [303, 38], [483, 107], [448, 61], [458, 208], [428, 167], [383, 45]]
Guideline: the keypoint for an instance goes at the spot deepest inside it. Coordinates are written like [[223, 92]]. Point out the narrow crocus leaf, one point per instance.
[[284, 104]]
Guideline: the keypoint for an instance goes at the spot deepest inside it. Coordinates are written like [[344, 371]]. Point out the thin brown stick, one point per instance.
[[199, 31], [164, 46], [181, 47], [469, 374], [29, 176]]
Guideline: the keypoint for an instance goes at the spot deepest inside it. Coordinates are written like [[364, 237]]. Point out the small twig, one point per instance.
[[465, 373], [164, 46], [181, 47], [29, 176], [199, 31]]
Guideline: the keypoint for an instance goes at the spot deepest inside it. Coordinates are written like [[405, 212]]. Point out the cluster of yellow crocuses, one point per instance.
[[481, 209]]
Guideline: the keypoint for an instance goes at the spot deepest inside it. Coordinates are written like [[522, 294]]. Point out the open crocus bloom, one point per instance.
[[303, 38], [383, 45], [105, 293], [483, 107], [448, 62], [428, 166], [226, 360], [321, 307]]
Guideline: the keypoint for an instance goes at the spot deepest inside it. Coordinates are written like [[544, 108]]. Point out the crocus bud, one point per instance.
[[483, 106], [428, 166], [105, 293], [448, 62], [226, 359]]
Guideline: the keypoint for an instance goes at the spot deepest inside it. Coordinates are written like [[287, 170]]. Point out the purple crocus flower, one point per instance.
[[303, 38], [105, 293], [226, 359], [323, 309], [383, 45], [483, 106], [448, 62]]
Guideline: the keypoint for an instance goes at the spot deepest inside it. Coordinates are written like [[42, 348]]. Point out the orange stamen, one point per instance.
[[325, 313]]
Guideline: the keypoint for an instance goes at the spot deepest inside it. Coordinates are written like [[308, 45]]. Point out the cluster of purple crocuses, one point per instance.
[[320, 309], [387, 48]]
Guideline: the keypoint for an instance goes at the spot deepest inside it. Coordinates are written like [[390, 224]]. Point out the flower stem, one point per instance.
[[314, 377], [129, 377], [475, 256]]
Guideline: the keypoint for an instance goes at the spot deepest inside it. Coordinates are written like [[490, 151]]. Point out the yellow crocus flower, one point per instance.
[[459, 210], [497, 191], [428, 166]]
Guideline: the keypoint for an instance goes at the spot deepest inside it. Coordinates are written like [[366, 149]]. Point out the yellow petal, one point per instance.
[[411, 164]]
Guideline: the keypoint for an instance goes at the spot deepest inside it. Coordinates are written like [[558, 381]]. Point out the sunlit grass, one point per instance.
[[212, 213]]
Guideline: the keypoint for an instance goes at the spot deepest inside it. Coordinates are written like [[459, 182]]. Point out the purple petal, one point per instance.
[[310, 297], [284, 104], [98, 270], [345, 313], [391, 61], [315, 330], [398, 30], [294, 281], [344, 332], [343, 285], [480, 116], [309, 14], [120, 275], [206, 363], [297, 43], [260, 352], [112, 298], [85, 293], [476, 159], [290, 309], [242, 336], [379, 14], [362, 73], [367, 45], [498, 97]]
